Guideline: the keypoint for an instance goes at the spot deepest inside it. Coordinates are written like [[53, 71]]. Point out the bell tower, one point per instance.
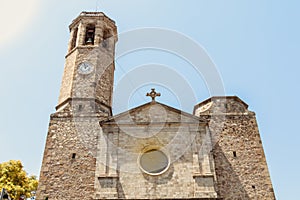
[[85, 99], [89, 68]]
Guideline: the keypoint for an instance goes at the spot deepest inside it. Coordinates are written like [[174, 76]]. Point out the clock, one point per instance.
[[85, 68]]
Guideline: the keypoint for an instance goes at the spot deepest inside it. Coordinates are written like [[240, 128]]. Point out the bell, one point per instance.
[[89, 41]]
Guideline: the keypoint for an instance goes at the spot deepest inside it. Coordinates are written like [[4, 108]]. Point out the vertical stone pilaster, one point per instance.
[[81, 34], [98, 34]]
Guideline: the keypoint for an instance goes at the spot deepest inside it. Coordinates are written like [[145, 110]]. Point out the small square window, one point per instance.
[[80, 108], [234, 154]]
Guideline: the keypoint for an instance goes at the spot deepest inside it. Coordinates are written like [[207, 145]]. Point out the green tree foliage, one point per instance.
[[15, 180]]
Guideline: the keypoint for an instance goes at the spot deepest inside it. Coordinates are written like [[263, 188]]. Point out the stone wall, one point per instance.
[[241, 167], [69, 162], [99, 83], [67, 79], [181, 136]]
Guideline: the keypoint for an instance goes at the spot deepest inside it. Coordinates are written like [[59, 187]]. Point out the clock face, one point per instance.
[[85, 68]]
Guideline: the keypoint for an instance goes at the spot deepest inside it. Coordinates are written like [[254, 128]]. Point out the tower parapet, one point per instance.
[[221, 105]]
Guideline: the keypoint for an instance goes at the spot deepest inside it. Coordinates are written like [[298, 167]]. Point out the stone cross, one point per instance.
[[153, 94]]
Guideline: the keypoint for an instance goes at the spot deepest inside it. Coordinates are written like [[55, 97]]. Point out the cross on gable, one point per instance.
[[153, 94]]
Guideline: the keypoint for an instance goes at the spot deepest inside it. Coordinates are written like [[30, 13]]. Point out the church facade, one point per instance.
[[152, 151]]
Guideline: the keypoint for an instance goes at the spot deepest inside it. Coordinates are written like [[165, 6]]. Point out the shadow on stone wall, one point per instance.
[[228, 182], [121, 194]]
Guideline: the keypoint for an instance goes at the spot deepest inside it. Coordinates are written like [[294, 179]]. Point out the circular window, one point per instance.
[[154, 162]]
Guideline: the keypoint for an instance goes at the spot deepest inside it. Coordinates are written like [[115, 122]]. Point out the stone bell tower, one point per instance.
[[85, 99], [89, 67]]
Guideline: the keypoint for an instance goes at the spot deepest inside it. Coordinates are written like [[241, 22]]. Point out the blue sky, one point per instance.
[[254, 45]]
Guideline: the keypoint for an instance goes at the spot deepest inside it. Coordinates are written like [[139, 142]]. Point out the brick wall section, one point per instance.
[[67, 79], [63, 176], [99, 83], [241, 167]]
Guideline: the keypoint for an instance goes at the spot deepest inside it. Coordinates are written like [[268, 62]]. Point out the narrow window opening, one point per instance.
[[226, 106], [80, 108], [74, 39], [73, 155], [90, 35], [234, 154], [93, 84]]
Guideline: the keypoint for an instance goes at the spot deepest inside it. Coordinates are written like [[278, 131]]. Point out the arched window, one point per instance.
[[90, 35], [74, 39]]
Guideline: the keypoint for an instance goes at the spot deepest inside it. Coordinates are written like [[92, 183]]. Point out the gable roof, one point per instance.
[[146, 106]]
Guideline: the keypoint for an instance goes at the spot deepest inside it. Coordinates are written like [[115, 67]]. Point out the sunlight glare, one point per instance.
[[15, 16]]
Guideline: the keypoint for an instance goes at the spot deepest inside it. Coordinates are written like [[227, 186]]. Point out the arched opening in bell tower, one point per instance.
[[90, 35], [74, 39]]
